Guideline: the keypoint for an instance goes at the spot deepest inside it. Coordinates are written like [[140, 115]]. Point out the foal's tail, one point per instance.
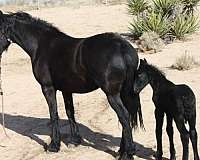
[[135, 111]]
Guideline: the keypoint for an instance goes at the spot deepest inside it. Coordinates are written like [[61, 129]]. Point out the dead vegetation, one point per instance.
[[150, 42], [185, 62]]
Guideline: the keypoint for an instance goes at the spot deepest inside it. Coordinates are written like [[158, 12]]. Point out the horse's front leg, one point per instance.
[[69, 107], [127, 140], [50, 95], [159, 115]]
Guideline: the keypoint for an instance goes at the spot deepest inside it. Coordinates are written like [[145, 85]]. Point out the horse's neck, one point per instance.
[[25, 39]]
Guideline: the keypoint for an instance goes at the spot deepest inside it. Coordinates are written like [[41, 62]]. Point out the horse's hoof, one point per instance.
[[76, 140], [172, 157], [125, 156], [53, 147]]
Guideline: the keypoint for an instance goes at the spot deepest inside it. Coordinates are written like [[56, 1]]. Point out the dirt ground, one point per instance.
[[26, 111]]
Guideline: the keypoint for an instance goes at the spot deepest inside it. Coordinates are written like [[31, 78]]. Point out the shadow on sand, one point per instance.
[[31, 127]]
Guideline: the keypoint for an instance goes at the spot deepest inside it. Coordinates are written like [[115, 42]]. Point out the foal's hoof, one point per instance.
[[76, 140], [158, 156], [53, 147]]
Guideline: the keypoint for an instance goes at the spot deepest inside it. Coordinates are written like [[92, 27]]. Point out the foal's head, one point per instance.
[[4, 41], [147, 73], [142, 78]]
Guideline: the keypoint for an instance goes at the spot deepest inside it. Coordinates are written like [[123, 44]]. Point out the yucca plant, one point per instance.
[[189, 6], [154, 22], [184, 25], [136, 27], [135, 7], [165, 7]]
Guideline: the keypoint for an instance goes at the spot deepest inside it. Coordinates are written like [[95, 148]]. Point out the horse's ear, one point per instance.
[[1, 13]]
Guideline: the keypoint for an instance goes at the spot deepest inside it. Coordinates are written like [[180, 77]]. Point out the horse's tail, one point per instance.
[[135, 112]]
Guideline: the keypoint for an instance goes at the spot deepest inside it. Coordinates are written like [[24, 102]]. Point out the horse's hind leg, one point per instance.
[[116, 103], [193, 136], [132, 103], [179, 119], [69, 107], [170, 133]]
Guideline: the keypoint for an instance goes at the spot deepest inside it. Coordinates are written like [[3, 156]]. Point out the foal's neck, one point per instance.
[[159, 82]]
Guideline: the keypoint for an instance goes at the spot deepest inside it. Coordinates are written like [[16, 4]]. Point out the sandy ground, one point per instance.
[[27, 117]]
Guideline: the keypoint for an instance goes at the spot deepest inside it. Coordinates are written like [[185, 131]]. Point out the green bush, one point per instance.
[[154, 22], [184, 25], [189, 6], [164, 17], [165, 7], [136, 7]]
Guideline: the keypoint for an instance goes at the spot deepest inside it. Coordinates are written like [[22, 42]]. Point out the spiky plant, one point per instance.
[[184, 25], [189, 6], [165, 7], [154, 22], [136, 27], [135, 7]]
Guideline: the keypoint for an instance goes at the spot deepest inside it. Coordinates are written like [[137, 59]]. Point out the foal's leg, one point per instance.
[[193, 136], [69, 107], [159, 115], [50, 95], [122, 113], [170, 133], [183, 134]]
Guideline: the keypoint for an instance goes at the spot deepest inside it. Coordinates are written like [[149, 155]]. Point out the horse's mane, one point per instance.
[[27, 18]]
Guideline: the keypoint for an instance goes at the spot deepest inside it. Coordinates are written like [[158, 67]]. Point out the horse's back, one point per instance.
[[105, 58]]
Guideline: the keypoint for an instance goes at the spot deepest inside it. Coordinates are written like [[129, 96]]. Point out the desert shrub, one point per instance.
[[165, 7], [154, 22], [184, 25], [136, 7], [189, 6], [185, 62], [150, 41], [164, 17], [137, 27]]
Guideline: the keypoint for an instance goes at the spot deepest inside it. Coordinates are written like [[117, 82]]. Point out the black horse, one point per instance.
[[178, 102], [77, 65]]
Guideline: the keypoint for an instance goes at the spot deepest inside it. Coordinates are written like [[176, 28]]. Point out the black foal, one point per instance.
[[178, 102]]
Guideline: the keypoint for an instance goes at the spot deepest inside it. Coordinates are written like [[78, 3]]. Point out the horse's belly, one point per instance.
[[76, 85]]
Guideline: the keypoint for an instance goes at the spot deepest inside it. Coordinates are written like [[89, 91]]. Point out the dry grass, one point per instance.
[[185, 62], [150, 42]]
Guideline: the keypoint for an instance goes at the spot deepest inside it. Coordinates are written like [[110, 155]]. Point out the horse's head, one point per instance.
[[142, 78], [4, 42]]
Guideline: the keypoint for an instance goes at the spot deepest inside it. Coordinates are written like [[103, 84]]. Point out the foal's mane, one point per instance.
[[153, 69], [28, 19]]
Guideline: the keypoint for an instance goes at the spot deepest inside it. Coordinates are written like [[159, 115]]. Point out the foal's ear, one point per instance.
[[143, 61]]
